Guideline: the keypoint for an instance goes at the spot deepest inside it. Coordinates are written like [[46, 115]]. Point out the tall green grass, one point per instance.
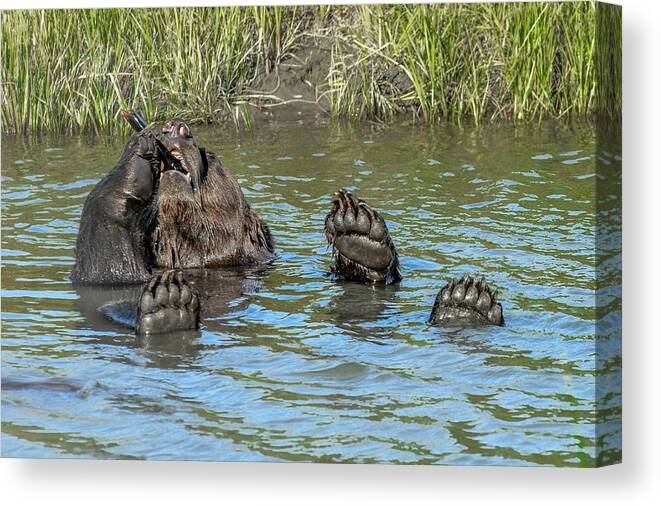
[[608, 61], [65, 70], [478, 61]]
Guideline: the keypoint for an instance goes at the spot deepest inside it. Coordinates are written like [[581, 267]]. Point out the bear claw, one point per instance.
[[168, 303], [362, 247], [467, 301]]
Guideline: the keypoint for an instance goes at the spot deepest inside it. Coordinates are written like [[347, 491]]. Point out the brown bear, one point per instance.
[[169, 205], [148, 215], [203, 217]]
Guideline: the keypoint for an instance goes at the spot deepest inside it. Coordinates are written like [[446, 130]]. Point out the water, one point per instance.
[[294, 366]]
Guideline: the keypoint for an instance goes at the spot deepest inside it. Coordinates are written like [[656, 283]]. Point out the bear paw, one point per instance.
[[168, 303], [142, 144], [467, 302], [362, 247]]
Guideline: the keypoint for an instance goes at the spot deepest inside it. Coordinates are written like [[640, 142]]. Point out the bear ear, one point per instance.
[[177, 127], [184, 130]]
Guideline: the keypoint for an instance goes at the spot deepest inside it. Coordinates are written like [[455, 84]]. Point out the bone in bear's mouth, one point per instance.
[[184, 166]]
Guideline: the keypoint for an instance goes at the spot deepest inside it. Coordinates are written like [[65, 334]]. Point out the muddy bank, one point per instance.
[[296, 90]]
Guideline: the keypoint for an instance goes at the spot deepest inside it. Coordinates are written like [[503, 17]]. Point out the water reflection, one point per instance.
[[113, 309], [360, 309]]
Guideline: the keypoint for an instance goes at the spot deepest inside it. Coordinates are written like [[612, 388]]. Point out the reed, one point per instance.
[[478, 61], [66, 70]]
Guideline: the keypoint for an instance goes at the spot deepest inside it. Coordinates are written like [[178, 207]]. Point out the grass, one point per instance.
[[65, 70], [479, 61]]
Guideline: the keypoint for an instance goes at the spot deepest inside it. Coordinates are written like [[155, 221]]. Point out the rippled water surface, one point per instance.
[[292, 365]]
